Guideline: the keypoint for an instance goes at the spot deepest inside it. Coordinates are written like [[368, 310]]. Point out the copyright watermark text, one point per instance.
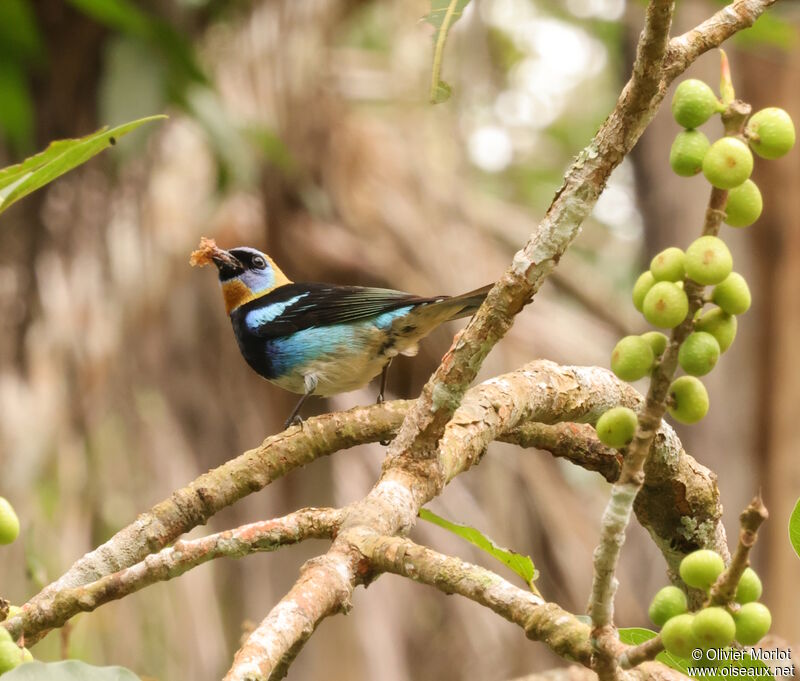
[[724, 663]]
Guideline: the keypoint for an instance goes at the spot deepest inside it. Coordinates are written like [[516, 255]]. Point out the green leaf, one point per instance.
[[69, 670], [794, 528], [444, 13], [520, 564], [60, 157]]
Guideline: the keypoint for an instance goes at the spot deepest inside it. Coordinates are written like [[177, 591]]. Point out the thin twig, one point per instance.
[[644, 651], [723, 591]]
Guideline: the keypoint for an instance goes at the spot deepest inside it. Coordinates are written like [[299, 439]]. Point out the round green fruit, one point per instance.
[[616, 427], [713, 628], [719, 324], [749, 587], [4, 635], [677, 635], [668, 265], [9, 523], [632, 358], [666, 604], [694, 103], [708, 260], [643, 284], [689, 400], [665, 305], [733, 294], [698, 353], [771, 132], [11, 656], [687, 152], [752, 623], [728, 163], [744, 205], [700, 569], [658, 342]]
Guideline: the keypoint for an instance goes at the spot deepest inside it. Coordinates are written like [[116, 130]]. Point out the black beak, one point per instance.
[[227, 264]]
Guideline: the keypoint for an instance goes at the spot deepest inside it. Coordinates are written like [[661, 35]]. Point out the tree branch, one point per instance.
[[561, 631], [194, 504], [686, 48], [540, 391], [267, 535], [724, 589], [576, 442], [679, 504]]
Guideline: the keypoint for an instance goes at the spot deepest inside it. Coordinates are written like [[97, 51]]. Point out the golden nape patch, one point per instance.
[[236, 294], [202, 256], [279, 278]]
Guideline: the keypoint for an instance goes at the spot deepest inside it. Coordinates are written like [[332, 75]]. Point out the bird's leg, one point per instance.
[[384, 379], [294, 418], [381, 393]]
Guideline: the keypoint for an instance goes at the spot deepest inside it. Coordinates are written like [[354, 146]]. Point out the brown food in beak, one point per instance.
[[209, 253]]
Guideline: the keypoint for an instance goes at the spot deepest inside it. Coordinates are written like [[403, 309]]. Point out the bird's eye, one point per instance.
[[259, 263]]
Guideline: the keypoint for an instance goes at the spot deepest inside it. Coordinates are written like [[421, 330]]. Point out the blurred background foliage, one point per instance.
[[302, 127]]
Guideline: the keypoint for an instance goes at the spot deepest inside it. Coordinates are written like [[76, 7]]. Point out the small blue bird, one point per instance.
[[322, 339]]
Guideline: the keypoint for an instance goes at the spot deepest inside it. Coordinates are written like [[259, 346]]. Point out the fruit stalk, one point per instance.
[[641, 653], [723, 590]]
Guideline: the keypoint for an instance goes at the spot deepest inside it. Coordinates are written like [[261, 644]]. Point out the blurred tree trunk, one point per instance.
[[65, 102]]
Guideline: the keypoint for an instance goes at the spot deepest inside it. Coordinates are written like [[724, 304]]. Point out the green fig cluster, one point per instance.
[[727, 163], [682, 632]]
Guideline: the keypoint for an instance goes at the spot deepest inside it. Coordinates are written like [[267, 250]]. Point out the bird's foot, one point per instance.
[[381, 399], [295, 420]]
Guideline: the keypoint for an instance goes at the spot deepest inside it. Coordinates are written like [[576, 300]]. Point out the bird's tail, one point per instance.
[[466, 304]]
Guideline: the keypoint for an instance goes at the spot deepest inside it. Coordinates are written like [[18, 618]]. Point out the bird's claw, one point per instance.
[[295, 420]]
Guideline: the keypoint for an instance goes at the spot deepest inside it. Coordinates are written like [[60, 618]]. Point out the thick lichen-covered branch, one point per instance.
[[266, 535], [541, 391], [679, 505]]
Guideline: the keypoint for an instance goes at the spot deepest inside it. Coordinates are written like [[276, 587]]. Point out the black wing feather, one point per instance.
[[323, 305]]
